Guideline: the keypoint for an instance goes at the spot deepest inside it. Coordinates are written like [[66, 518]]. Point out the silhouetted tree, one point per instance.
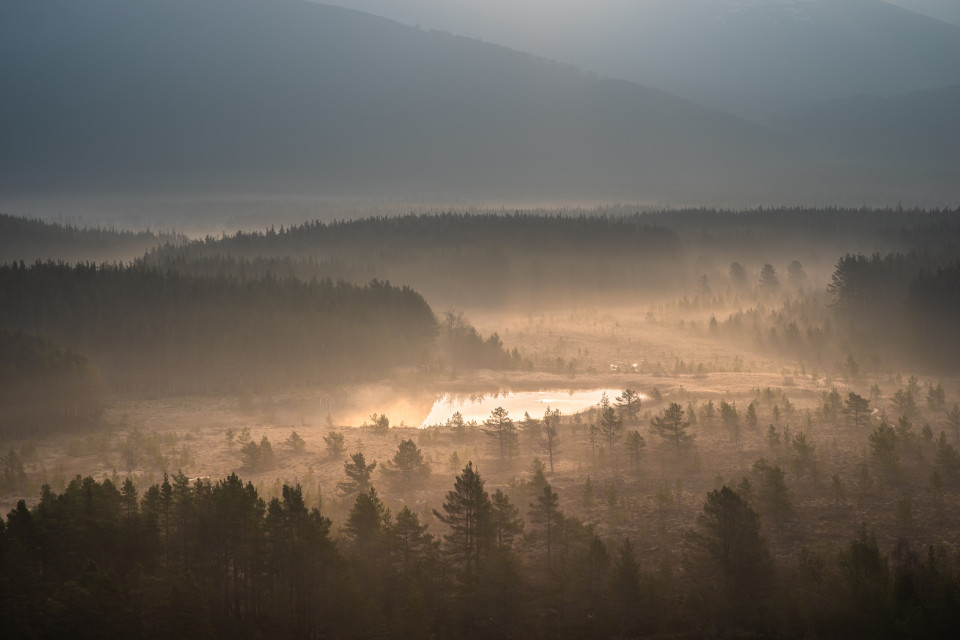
[[751, 416], [858, 407], [545, 513], [550, 434], [14, 477], [334, 444], [408, 463], [635, 445], [672, 426], [358, 475], [729, 553], [768, 278], [936, 397], [865, 575], [258, 457], [611, 427], [628, 403], [367, 524], [904, 402], [883, 446], [410, 541], [530, 427], [457, 425], [730, 419], [947, 458], [466, 511], [501, 429], [505, 520], [296, 443], [804, 450]]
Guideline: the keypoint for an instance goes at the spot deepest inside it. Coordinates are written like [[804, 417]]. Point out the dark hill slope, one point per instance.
[[256, 96], [918, 131]]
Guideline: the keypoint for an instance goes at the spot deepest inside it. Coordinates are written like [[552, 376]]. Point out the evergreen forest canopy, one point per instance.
[[548, 258], [766, 470], [199, 559], [30, 240], [483, 259], [161, 332], [43, 385]]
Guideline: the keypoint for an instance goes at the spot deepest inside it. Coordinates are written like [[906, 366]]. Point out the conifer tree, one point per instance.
[[505, 519], [358, 475], [466, 511], [550, 434], [546, 514], [858, 407], [503, 432], [672, 426], [408, 463], [611, 427]]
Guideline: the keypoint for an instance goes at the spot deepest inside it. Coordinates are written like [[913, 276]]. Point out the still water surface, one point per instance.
[[535, 402]]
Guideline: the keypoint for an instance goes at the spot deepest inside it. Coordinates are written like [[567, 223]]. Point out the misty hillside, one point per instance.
[[149, 330], [28, 240], [544, 259], [258, 96], [473, 261], [918, 130], [754, 58]]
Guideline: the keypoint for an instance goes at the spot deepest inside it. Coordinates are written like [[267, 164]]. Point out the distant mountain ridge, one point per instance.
[[754, 58], [292, 96], [946, 10], [918, 131]]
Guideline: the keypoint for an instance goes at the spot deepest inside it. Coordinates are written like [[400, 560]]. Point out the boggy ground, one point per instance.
[[833, 489]]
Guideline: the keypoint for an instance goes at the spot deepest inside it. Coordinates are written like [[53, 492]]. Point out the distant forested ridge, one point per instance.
[[813, 235], [155, 331], [45, 387], [29, 240], [895, 226], [540, 257], [458, 259]]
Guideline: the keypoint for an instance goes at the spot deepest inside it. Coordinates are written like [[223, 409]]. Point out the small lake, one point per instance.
[[535, 402]]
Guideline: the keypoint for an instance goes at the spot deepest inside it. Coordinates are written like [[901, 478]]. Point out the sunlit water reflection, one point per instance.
[[535, 402]]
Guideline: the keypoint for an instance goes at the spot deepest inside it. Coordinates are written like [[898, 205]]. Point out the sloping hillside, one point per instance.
[[256, 96]]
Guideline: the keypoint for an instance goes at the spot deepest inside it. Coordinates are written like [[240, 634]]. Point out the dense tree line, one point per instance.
[[45, 387], [200, 559], [932, 310], [154, 331], [463, 346], [906, 304], [29, 240], [455, 258]]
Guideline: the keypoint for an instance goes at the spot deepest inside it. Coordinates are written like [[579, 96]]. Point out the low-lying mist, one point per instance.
[[309, 412]]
